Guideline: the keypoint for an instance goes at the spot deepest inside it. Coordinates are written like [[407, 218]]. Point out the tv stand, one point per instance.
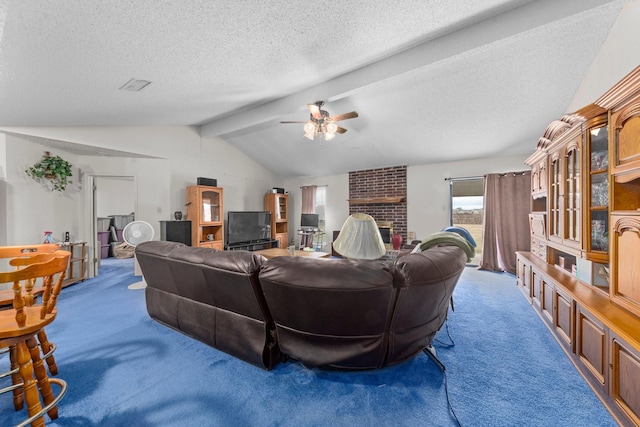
[[253, 246]]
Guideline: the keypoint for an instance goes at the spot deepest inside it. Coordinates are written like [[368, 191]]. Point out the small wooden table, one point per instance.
[[276, 252]]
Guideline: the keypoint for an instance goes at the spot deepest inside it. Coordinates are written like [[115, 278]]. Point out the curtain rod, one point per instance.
[[464, 178], [467, 178], [305, 186], [512, 173]]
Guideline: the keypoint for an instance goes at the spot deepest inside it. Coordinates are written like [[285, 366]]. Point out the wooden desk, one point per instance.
[[276, 252]]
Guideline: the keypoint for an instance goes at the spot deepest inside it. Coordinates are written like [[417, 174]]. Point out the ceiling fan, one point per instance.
[[321, 123]]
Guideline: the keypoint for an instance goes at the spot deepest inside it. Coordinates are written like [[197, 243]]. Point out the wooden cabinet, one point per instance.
[[523, 276], [565, 191], [537, 226], [536, 288], [278, 205], [625, 377], [547, 292], [625, 265], [205, 211], [591, 346], [624, 145], [596, 221], [539, 179], [77, 270], [563, 317], [601, 338], [625, 148], [593, 224]]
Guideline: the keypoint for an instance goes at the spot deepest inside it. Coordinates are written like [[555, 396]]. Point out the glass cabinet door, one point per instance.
[[210, 206], [554, 198], [282, 208], [598, 154], [572, 195]]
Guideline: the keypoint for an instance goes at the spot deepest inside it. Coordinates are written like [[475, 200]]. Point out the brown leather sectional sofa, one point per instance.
[[334, 313]]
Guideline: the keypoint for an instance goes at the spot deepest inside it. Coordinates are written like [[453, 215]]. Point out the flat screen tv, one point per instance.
[[248, 227], [309, 221]]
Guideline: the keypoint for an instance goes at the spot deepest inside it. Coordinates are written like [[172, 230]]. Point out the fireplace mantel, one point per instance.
[[376, 200]]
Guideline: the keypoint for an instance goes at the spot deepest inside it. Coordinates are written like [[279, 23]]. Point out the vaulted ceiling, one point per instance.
[[432, 80]]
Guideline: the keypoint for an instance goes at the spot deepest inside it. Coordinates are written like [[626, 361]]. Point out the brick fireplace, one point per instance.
[[381, 193]]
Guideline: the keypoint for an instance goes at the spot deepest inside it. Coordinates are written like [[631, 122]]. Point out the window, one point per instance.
[[321, 201], [467, 209]]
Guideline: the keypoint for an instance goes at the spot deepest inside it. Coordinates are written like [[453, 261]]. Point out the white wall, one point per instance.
[[617, 57], [31, 207], [115, 195], [177, 157], [428, 208], [3, 190], [337, 208]]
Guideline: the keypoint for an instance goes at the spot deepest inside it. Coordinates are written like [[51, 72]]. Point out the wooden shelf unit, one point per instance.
[[205, 211], [278, 205], [77, 270]]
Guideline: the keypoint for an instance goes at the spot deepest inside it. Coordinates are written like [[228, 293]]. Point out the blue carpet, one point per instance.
[[125, 369]]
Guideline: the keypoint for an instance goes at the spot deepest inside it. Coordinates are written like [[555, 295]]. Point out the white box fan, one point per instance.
[[134, 233]]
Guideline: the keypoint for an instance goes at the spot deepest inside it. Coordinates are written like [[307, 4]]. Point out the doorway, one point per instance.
[[109, 196], [467, 209]]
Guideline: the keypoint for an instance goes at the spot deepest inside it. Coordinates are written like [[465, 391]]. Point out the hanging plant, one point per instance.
[[51, 170]]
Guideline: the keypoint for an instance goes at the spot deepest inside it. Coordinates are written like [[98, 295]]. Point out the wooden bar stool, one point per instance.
[[20, 325]]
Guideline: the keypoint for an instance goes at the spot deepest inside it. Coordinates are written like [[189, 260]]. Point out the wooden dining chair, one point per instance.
[[23, 251], [21, 256], [20, 325]]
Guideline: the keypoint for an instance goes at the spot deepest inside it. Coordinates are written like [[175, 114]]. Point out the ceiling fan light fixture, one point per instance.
[[309, 127], [323, 124]]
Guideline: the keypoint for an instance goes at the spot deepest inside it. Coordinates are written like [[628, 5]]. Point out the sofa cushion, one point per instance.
[[330, 312], [425, 283], [210, 295]]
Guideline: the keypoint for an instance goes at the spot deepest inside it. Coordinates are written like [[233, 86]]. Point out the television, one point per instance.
[[248, 227], [309, 221]]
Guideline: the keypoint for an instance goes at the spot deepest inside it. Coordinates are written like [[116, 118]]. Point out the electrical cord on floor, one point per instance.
[[432, 356], [445, 344]]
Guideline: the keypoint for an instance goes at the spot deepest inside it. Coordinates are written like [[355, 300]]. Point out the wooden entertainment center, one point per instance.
[[582, 275]]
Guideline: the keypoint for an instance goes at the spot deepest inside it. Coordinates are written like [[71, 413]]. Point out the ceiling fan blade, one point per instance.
[[345, 116], [314, 109], [293, 122], [341, 130]]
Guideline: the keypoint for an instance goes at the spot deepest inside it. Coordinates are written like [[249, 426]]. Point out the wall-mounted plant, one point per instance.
[[53, 171]]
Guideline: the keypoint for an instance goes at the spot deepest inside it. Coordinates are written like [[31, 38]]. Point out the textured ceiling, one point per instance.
[[432, 80]]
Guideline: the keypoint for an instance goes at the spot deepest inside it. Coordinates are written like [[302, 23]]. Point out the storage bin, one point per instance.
[[103, 237], [104, 251], [103, 224], [120, 221]]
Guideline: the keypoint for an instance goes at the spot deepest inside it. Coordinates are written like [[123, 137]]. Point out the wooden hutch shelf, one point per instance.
[[76, 272]]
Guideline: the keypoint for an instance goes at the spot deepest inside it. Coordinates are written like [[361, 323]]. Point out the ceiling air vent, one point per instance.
[[134, 85]]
